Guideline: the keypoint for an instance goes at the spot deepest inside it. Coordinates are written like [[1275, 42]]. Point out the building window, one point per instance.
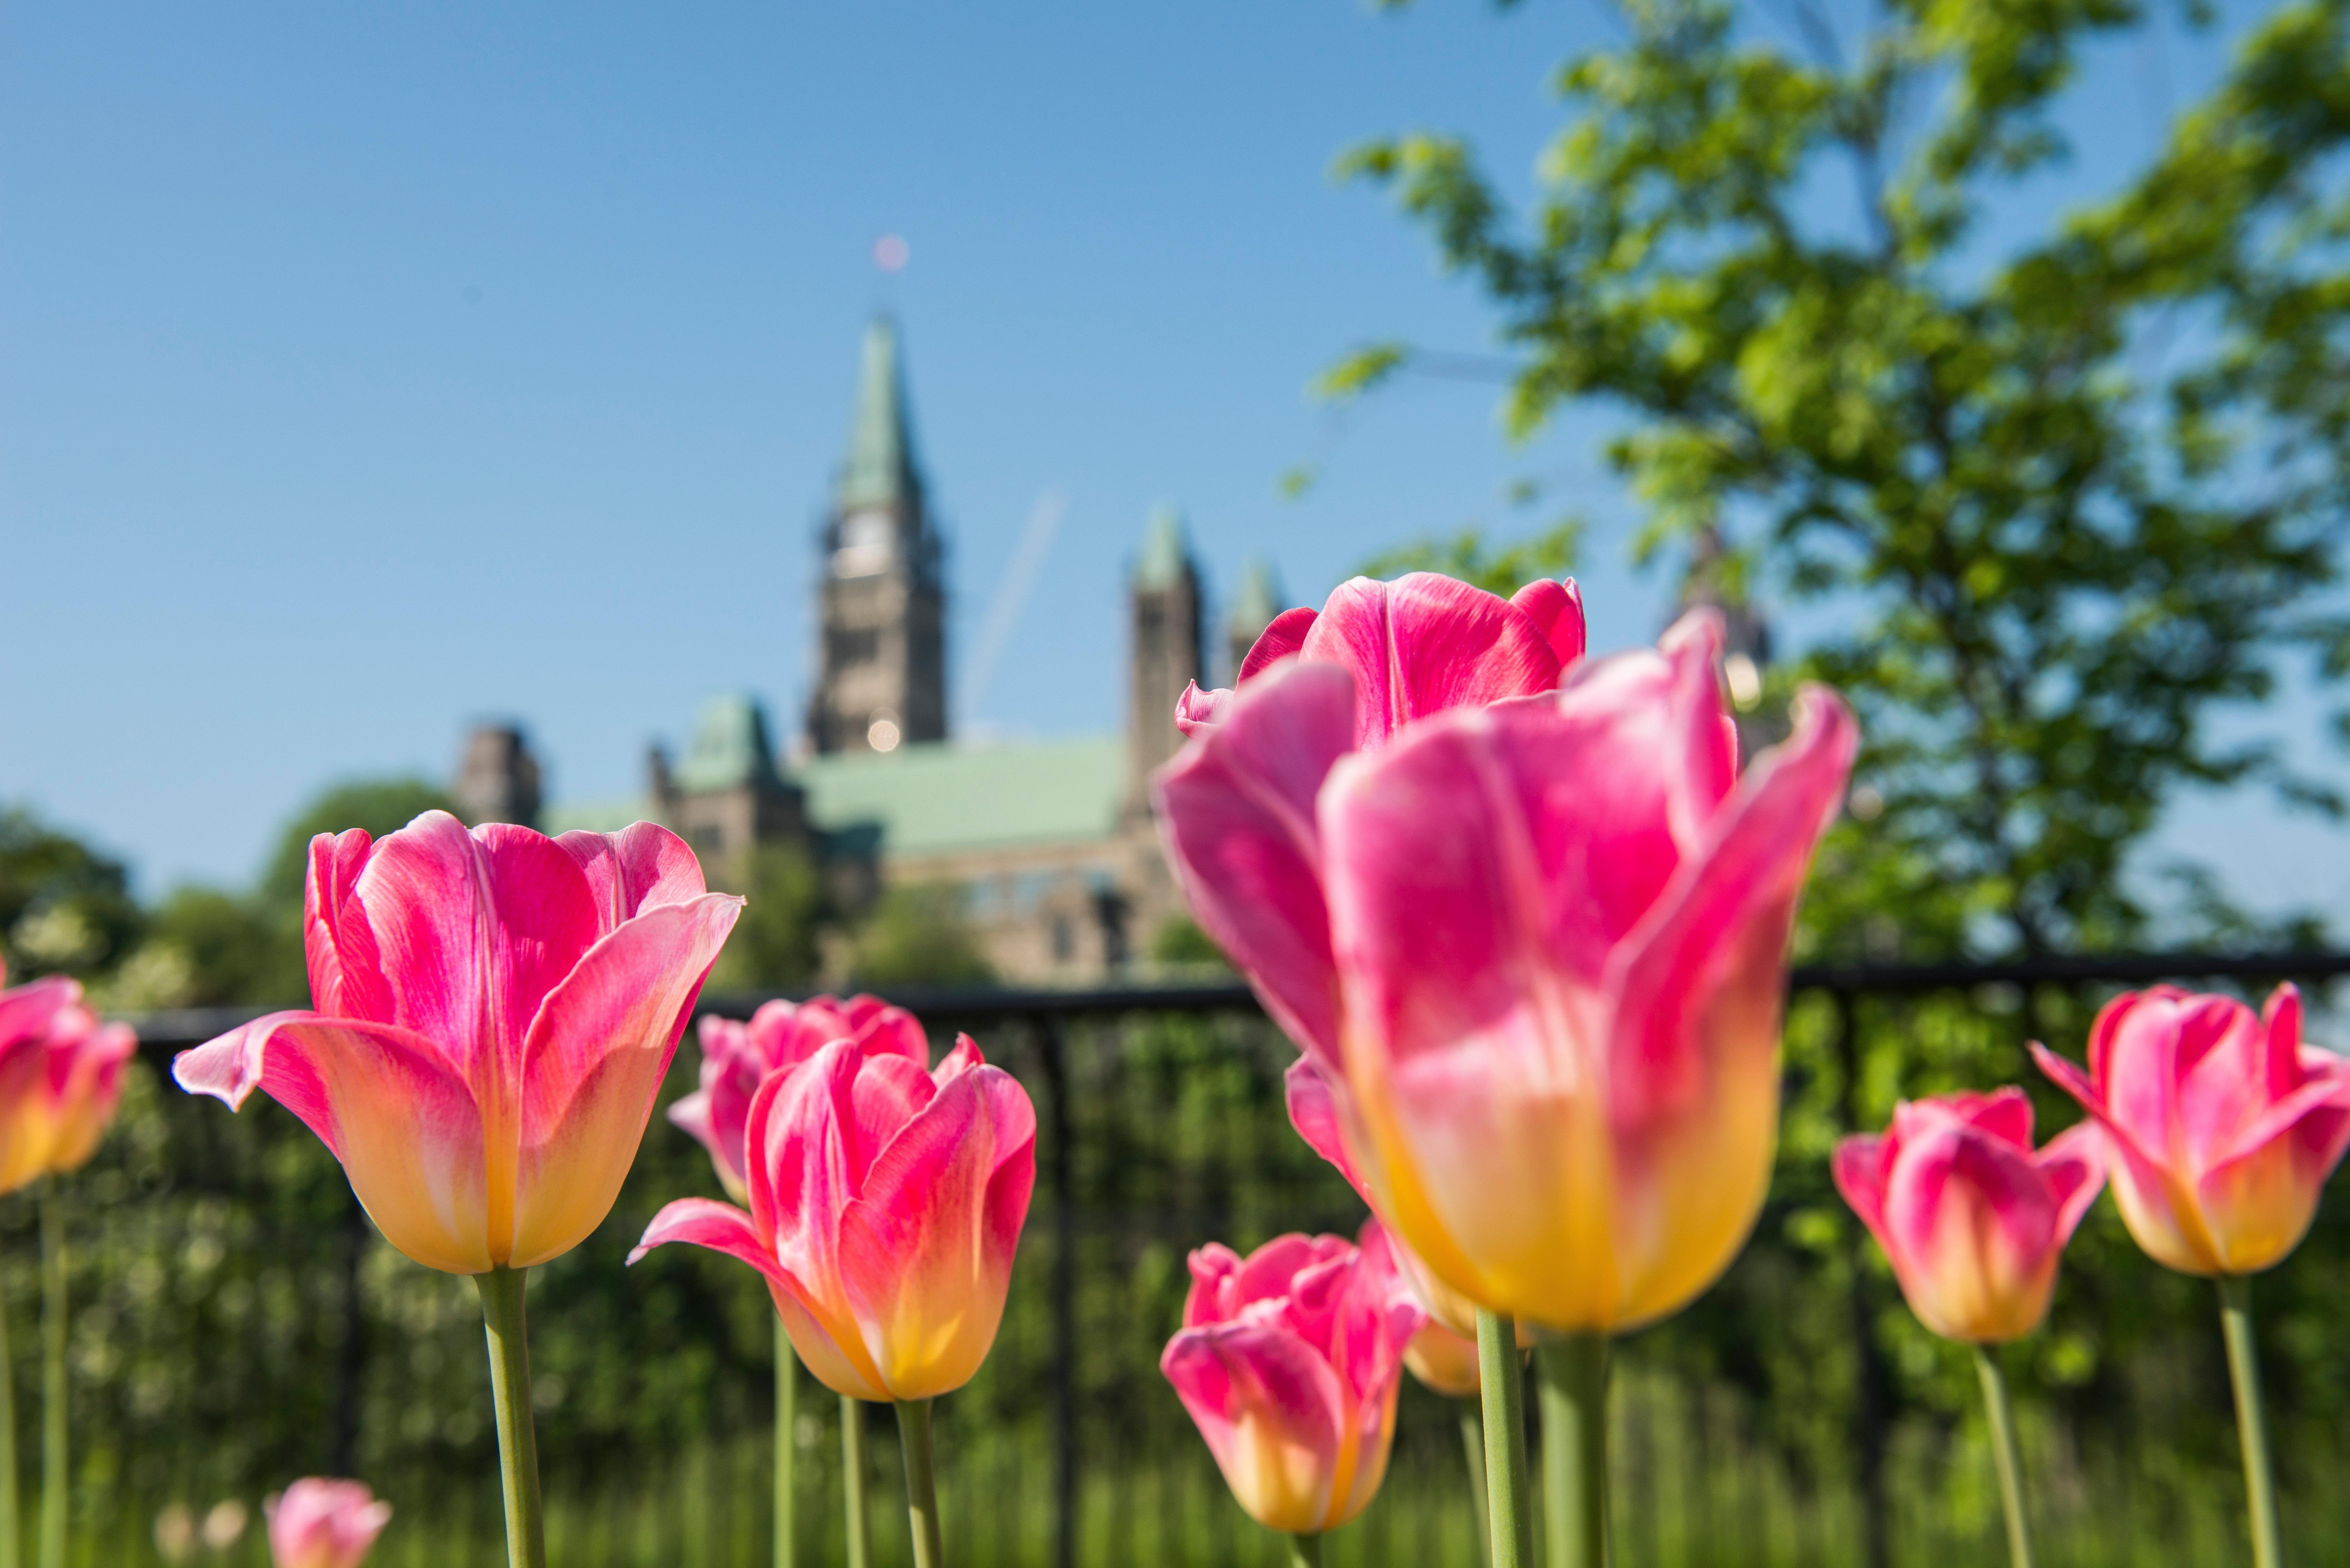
[[852, 645], [1065, 940], [709, 840]]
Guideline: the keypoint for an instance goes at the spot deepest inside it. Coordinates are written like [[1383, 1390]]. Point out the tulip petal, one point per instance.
[[1272, 1414], [1196, 710], [1860, 1169], [2074, 1162], [1314, 1111], [1425, 643], [1236, 812], [706, 1222], [926, 1248], [1283, 636], [335, 864], [593, 1065], [1556, 607], [640, 866], [385, 1102]]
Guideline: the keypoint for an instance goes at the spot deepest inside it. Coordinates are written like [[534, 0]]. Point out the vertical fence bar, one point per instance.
[[1058, 1177]]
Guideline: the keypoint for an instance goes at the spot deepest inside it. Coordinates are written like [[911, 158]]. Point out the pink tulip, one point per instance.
[[1289, 1361], [1970, 1216], [60, 1079], [1540, 946], [2220, 1127], [318, 1523], [736, 1057], [885, 1204], [1237, 811], [495, 1011]]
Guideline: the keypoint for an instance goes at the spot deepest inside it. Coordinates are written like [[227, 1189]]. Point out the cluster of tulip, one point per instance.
[[1526, 914]]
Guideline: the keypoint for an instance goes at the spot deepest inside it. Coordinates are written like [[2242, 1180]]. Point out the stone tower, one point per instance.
[[1165, 657], [1253, 608], [881, 605], [497, 778]]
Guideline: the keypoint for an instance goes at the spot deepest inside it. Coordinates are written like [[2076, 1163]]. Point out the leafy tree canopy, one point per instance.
[[2068, 502]]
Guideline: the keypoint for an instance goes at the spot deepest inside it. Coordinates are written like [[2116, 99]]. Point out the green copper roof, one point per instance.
[[880, 468], [941, 798], [729, 747], [1258, 599], [1165, 551]]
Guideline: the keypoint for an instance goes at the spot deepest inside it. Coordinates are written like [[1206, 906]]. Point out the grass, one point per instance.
[[1692, 1489]]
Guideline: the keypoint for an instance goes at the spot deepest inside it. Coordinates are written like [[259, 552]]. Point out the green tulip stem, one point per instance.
[[921, 1482], [852, 1481], [503, 1324], [1511, 1510], [53, 1376], [1572, 1371], [2005, 1455], [2251, 1423], [787, 1366], [1306, 1551], [1472, 1448]]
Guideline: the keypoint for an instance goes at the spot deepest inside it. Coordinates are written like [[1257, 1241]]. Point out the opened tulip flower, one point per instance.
[[494, 1013], [2220, 1130], [1973, 1220], [1289, 1362], [886, 1206], [1972, 1217], [2222, 1127], [737, 1057], [317, 1523]]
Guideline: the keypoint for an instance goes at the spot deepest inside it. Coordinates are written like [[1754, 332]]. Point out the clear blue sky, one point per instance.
[[363, 373]]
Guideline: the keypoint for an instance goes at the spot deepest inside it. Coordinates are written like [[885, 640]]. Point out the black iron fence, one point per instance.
[[239, 1324]]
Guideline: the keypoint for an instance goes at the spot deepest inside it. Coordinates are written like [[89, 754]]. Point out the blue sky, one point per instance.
[[366, 373]]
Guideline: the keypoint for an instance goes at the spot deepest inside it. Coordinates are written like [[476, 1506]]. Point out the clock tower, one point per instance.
[[881, 602]]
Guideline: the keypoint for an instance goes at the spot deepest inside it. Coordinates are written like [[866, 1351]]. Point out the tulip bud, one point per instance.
[[1289, 1361], [318, 1523], [1970, 1216]]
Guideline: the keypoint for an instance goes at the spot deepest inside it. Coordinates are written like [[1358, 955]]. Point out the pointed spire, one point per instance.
[[880, 469], [1165, 549]]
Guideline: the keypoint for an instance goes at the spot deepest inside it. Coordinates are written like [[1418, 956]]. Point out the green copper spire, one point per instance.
[[1165, 551], [1258, 601], [879, 470]]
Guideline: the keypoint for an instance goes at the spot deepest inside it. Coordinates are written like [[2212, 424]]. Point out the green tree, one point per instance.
[[918, 936], [63, 908], [2069, 502]]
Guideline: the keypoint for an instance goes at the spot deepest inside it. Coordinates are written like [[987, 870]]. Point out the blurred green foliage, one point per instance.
[[777, 942], [63, 908]]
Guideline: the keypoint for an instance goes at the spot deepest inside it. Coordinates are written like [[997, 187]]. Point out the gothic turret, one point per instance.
[[1253, 608], [881, 660]]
